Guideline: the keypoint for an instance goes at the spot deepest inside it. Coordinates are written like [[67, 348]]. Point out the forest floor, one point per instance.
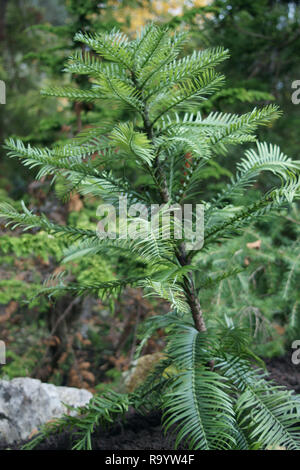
[[145, 432]]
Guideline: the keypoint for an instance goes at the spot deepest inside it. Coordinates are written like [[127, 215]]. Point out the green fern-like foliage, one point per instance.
[[266, 261], [100, 411], [209, 392]]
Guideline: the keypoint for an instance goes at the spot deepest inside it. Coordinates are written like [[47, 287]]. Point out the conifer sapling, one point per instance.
[[209, 392]]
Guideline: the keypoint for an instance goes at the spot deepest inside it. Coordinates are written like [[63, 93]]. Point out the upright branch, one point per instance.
[[190, 291], [181, 255]]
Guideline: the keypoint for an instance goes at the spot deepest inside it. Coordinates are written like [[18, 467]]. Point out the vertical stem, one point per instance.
[[188, 286], [190, 291], [163, 188]]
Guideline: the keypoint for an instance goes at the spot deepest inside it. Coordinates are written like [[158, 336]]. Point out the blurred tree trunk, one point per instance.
[[3, 5]]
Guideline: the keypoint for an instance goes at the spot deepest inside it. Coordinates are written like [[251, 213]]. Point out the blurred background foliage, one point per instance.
[[94, 342]]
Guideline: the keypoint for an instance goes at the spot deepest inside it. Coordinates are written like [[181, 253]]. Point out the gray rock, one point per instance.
[[26, 404]]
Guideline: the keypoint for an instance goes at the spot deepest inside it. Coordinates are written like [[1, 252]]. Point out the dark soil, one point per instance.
[[284, 372], [145, 432]]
